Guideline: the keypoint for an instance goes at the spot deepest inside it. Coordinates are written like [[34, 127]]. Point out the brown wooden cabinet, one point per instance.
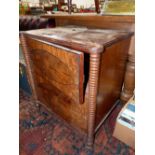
[[77, 72]]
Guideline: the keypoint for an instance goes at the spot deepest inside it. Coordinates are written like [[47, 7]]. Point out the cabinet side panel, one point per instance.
[[112, 71]]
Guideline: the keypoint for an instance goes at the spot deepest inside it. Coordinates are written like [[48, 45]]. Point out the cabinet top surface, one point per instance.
[[80, 38]]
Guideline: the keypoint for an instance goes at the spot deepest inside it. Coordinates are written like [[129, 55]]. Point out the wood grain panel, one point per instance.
[[95, 17], [58, 74], [95, 24], [111, 76], [58, 68]]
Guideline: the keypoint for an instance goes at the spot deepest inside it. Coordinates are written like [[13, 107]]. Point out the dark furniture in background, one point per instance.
[[77, 72], [36, 10], [30, 23], [34, 22], [60, 3], [97, 6]]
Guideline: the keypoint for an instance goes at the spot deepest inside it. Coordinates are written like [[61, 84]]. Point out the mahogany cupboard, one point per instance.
[[77, 72], [121, 22]]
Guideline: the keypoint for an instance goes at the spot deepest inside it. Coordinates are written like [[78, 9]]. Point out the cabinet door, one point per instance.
[[57, 71]]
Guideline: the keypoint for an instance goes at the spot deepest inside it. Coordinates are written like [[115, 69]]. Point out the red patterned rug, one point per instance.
[[43, 133]]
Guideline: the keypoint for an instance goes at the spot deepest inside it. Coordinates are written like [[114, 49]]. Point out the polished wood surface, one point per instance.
[[47, 58], [93, 20], [83, 39], [93, 86], [121, 22], [91, 61], [129, 80], [57, 78], [92, 17], [111, 76]]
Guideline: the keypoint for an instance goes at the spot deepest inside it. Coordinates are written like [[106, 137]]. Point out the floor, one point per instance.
[[43, 133]]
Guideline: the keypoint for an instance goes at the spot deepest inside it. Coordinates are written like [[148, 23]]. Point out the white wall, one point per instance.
[[32, 1]]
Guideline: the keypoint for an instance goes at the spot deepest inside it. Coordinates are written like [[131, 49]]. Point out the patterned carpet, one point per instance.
[[43, 133]]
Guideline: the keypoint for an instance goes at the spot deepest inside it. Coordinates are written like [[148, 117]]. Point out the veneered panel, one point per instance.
[[56, 70], [111, 76]]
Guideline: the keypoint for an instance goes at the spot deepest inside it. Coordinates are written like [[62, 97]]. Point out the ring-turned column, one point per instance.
[[28, 66], [93, 85], [129, 81]]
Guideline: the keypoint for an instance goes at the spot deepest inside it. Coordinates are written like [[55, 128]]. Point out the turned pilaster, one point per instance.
[[93, 85], [129, 81], [28, 66]]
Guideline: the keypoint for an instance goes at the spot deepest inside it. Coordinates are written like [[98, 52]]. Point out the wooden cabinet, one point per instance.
[[77, 72]]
